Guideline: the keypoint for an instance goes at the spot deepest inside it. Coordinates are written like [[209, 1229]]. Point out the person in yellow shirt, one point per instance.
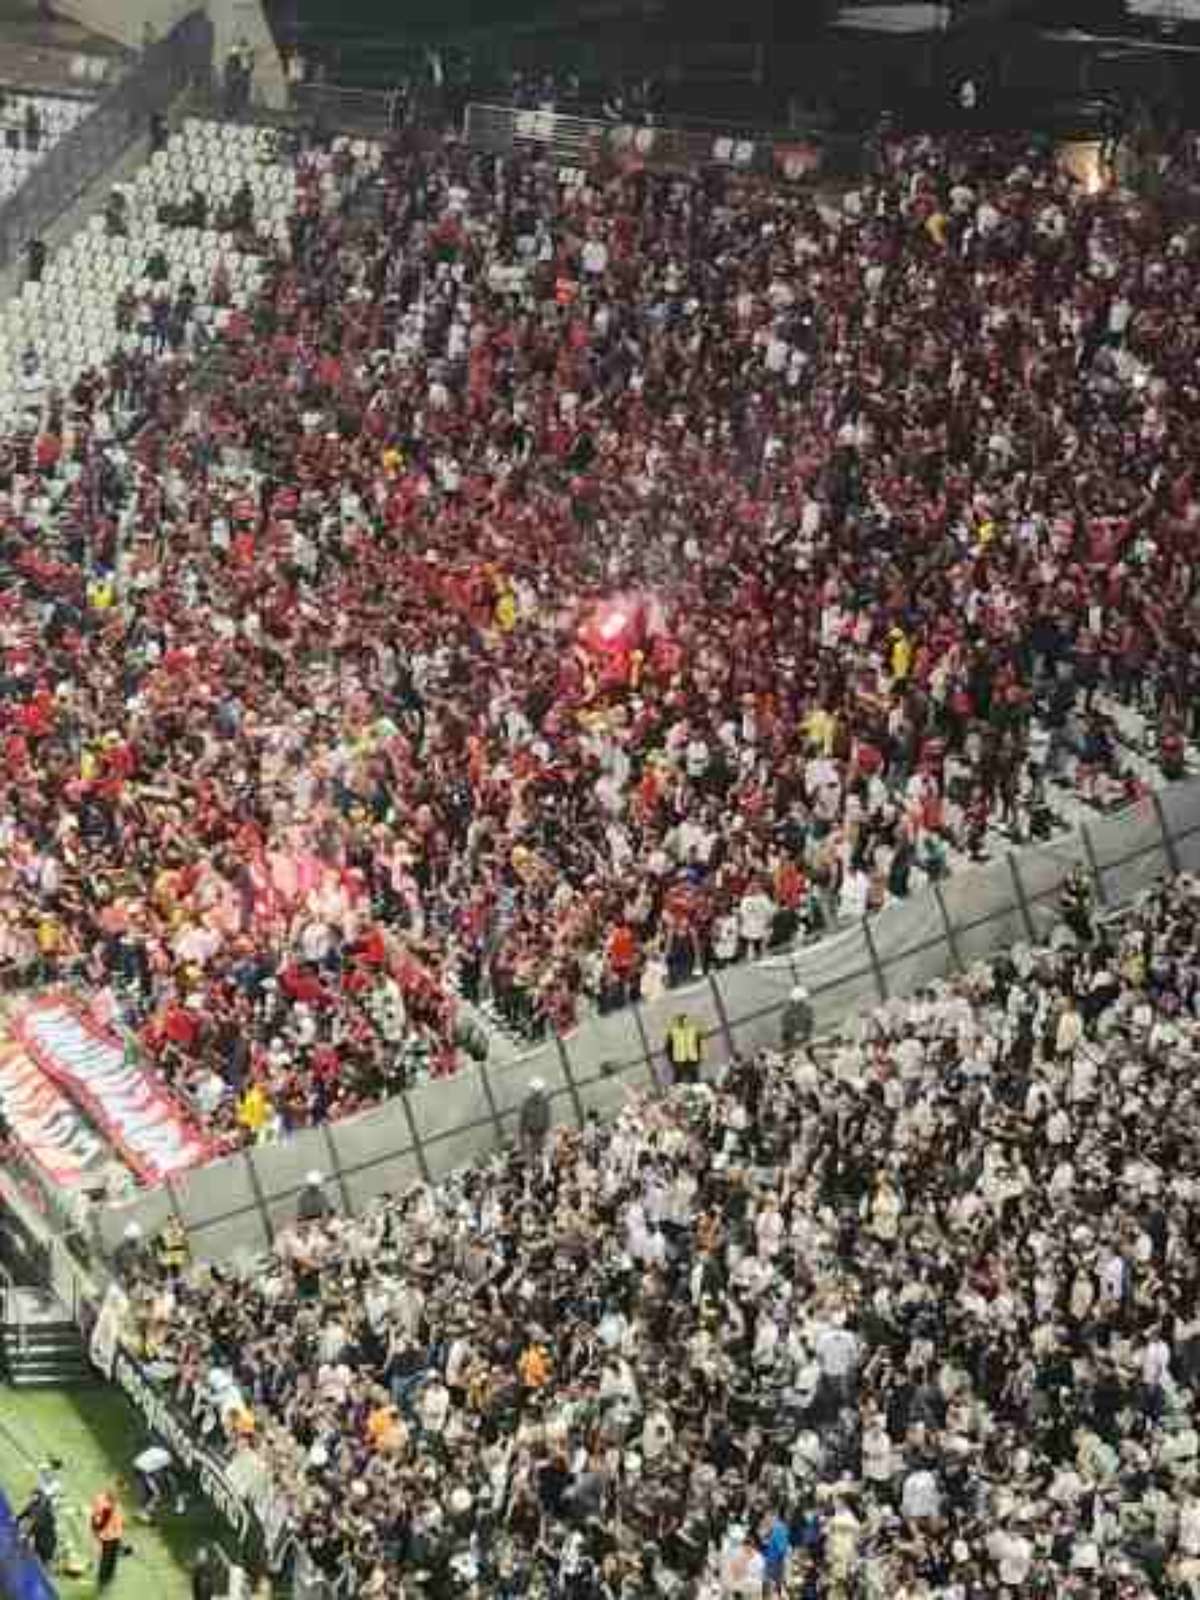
[[255, 1110], [506, 611], [819, 728], [533, 1366], [385, 1431], [49, 936], [241, 1422], [101, 592], [901, 654]]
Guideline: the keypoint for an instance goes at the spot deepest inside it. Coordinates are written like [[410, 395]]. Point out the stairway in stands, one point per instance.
[[40, 1347]]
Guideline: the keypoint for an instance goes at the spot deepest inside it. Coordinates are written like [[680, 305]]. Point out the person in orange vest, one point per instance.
[[533, 1366], [108, 1527]]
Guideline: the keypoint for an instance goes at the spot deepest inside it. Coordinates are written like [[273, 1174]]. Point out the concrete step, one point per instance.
[[40, 1345], [52, 1378]]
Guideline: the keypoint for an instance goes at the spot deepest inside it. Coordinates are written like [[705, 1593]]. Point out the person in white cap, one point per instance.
[[314, 1205], [796, 1022], [131, 1252], [534, 1122]]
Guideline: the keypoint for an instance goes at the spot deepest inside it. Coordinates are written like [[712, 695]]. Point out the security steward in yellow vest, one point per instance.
[[683, 1049], [172, 1248]]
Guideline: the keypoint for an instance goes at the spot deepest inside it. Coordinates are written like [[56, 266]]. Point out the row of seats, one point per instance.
[[70, 318], [30, 126]]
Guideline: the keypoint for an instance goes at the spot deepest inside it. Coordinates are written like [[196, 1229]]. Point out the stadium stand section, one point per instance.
[[30, 126]]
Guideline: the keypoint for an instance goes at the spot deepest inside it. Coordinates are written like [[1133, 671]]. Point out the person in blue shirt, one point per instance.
[[776, 1550]]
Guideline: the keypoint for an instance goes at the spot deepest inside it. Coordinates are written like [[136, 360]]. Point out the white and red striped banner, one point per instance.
[[139, 1117]]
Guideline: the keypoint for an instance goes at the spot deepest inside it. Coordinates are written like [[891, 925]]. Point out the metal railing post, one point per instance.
[[336, 1163], [564, 1058], [951, 935], [490, 1097], [260, 1199], [1089, 851], [1168, 837], [876, 964], [417, 1147], [647, 1048], [173, 1202], [722, 1014], [1022, 902]]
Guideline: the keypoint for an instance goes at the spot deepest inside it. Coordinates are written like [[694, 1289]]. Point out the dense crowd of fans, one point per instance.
[[550, 589], [910, 1314]]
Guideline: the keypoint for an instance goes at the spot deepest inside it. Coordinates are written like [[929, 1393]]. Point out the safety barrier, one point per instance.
[[236, 1204], [575, 141], [373, 113]]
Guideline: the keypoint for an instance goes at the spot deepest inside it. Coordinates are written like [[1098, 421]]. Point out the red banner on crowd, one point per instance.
[[138, 1116]]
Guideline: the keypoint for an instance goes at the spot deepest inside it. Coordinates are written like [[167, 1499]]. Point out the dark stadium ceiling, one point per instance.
[[386, 23], [710, 42]]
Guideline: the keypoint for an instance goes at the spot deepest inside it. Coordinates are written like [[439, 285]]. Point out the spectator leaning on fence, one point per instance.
[[534, 1118], [914, 1315], [796, 1021]]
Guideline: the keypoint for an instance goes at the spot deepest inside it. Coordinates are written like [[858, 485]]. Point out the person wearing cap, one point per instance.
[[314, 1204], [206, 1574], [130, 1255], [796, 1021], [154, 1467], [38, 1519], [534, 1120]]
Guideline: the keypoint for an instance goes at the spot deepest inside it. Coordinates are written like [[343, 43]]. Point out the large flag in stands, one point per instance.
[[76, 1099]]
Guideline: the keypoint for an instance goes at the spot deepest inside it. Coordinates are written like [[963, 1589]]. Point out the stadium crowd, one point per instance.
[[543, 590], [911, 1313]]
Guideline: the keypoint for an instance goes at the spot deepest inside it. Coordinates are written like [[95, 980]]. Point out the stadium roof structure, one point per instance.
[[1053, 65]]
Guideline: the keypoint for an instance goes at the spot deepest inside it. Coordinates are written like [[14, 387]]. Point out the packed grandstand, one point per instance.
[[438, 585], [457, 585], [911, 1314]]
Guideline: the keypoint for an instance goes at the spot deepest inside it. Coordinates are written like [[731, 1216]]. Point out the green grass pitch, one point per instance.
[[96, 1433]]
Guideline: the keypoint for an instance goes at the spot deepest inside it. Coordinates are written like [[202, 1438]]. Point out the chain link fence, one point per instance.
[[236, 1204]]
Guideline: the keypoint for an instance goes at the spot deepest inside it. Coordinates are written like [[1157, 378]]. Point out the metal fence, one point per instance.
[[121, 116], [236, 1204], [581, 141], [373, 113]]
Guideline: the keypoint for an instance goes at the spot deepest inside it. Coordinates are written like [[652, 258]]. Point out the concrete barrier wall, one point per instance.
[[235, 1205]]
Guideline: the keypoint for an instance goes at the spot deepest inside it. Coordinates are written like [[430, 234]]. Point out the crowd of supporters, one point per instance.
[[552, 585], [908, 1314]]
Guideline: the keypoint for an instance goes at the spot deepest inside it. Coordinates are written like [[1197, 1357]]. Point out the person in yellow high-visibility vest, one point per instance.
[[171, 1248], [683, 1048]]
